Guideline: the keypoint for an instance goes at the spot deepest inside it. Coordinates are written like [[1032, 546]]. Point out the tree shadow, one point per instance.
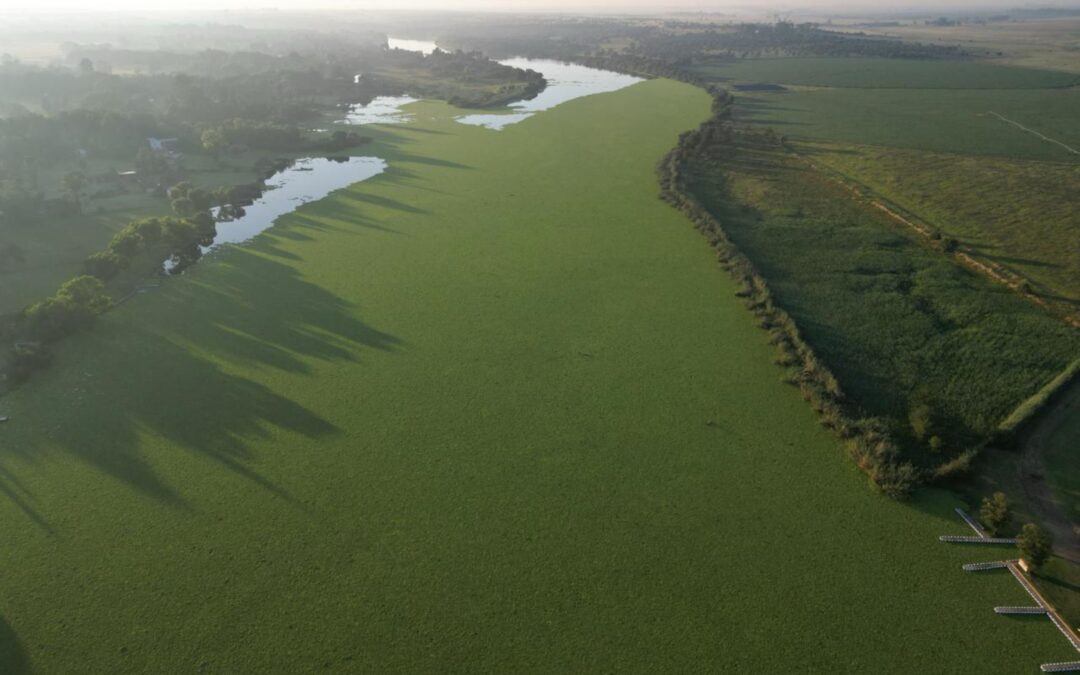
[[1059, 582], [13, 660], [1015, 260], [173, 374]]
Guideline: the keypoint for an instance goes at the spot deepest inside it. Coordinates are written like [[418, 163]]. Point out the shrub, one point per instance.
[[1035, 545], [74, 306], [957, 466], [995, 512], [27, 358], [921, 418]]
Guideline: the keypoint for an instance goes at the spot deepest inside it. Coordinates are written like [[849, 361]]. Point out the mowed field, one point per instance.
[[495, 410]]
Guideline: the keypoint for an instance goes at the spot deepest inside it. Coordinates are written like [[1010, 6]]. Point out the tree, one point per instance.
[[74, 306], [183, 207], [104, 265], [1035, 545], [995, 512], [213, 141], [74, 183]]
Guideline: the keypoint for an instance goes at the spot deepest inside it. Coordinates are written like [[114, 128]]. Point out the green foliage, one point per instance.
[[1018, 419], [995, 512], [1035, 545], [104, 265], [1016, 214], [921, 418], [474, 441], [74, 306], [957, 467], [844, 271]]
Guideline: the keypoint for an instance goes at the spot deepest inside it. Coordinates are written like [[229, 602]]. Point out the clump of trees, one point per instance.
[[73, 307], [1035, 545]]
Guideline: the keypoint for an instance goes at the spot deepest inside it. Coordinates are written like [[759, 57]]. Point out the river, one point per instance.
[[311, 179]]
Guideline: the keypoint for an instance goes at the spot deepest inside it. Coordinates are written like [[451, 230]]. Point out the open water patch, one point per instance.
[[566, 82], [305, 180]]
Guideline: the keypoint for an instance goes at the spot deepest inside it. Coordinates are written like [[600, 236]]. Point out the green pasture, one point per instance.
[[942, 106], [495, 410], [877, 73], [938, 120]]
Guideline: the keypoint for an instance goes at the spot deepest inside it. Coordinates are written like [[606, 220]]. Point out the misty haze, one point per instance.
[[539, 336]]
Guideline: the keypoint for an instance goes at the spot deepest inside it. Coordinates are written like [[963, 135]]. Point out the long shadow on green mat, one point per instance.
[[172, 374], [12, 656]]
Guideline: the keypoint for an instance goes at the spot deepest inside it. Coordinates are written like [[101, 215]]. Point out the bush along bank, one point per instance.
[[874, 451]]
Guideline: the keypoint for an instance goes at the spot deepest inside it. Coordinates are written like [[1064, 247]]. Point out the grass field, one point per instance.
[[937, 120], [876, 73], [900, 324], [939, 106], [1020, 214], [495, 410], [1034, 43]]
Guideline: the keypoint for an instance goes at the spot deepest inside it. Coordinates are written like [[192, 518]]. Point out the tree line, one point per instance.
[[872, 447]]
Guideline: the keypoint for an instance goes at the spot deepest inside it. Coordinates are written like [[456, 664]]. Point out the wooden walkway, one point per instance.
[[958, 539], [1064, 667], [983, 566], [1042, 606], [1019, 610]]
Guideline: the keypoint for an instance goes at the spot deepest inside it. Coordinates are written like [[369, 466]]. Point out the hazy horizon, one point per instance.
[[524, 6]]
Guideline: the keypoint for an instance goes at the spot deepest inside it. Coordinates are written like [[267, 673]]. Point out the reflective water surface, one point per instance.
[[307, 180], [382, 110], [566, 81], [425, 47]]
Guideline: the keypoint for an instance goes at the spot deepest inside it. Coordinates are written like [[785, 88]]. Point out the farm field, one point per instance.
[[1019, 214], [880, 73], [960, 344], [936, 120], [392, 434], [1049, 43], [937, 106]]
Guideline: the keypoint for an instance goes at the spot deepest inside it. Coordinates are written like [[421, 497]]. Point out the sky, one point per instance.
[[526, 5]]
